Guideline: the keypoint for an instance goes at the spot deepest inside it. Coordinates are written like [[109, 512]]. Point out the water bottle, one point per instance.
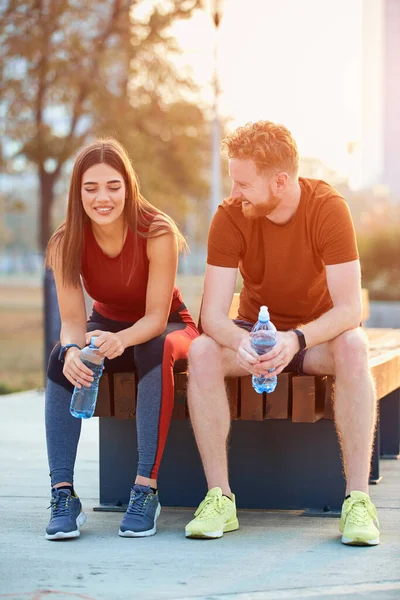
[[83, 401], [263, 339]]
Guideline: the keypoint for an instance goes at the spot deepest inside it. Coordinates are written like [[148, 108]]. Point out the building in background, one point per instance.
[[391, 90], [379, 146]]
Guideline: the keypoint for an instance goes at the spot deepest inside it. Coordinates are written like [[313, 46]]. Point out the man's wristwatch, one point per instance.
[[301, 338], [61, 354]]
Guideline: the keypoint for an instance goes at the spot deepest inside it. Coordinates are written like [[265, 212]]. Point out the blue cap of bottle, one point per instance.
[[92, 344]]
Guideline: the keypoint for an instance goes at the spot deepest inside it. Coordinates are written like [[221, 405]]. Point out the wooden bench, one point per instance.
[[283, 449]]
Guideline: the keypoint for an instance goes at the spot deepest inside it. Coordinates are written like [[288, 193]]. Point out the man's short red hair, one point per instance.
[[270, 145]]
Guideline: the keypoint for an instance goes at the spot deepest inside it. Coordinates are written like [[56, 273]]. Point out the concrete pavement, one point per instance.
[[274, 555]]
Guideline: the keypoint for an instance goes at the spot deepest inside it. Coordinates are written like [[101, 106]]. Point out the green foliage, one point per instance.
[[380, 262], [6, 389], [75, 70]]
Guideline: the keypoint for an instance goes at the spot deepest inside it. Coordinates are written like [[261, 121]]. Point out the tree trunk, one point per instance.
[[51, 313], [46, 194]]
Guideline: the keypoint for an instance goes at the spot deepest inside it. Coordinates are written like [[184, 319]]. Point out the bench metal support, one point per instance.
[[374, 476], [274, 464], [389, 425]]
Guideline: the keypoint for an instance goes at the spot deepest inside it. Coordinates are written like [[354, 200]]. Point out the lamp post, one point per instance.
[[215, 8], [52, 321]]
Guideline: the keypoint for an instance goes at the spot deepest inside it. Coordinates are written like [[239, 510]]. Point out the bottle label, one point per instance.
[[97, 369], [263, 341]]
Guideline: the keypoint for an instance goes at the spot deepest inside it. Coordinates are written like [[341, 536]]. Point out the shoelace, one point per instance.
[[358, 511], [209, 507], [137, 503], [59, 504]]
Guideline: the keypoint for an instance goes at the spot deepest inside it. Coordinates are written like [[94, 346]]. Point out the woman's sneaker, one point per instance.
[[66, 515], [141, 517], [215, 516], [359, 523]]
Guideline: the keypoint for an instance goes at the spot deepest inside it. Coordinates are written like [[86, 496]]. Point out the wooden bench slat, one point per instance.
[[308, 404], [234, 309], [232, 391], [278, 403], [252, 405], [384, 359], [382, 340], [104, 406], [124, 395], [180, 411], [386, 374]]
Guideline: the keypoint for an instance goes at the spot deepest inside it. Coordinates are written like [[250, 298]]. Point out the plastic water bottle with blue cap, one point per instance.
[[263, 339], [83, 401]]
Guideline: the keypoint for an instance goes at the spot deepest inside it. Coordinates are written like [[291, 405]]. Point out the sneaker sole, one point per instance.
[[212, 535], [152, 531], [359, 541], [66, 535]]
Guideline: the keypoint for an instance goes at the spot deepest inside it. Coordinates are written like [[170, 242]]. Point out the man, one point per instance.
[[293, 240]]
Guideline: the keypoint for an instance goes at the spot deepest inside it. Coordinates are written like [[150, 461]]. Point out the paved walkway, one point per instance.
[[273, 556]]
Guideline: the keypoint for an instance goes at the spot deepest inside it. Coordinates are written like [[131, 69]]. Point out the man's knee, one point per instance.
[[204, 355], [350, 351]]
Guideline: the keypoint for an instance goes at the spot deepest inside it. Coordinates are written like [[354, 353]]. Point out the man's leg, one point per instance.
[[346, 357], [209, 364]]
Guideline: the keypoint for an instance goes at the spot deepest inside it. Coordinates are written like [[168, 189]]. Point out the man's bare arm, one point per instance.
[[219, 287], [344, 284]]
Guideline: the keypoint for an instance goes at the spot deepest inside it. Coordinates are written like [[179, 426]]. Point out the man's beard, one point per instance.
[[261, 210]]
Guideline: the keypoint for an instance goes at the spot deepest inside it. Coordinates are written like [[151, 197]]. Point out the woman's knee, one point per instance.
[[54, 365], [55, 369]]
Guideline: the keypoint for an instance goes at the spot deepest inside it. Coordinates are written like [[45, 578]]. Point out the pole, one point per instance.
[[52, 321], [216, 187]]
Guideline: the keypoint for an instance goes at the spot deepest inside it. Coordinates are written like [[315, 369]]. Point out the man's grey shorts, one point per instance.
[[295, 365]]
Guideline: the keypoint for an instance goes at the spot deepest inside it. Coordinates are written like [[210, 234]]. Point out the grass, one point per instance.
[[21, 338], [21, 332]]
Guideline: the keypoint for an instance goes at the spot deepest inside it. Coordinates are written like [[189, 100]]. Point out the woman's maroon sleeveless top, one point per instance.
[[118, 293]]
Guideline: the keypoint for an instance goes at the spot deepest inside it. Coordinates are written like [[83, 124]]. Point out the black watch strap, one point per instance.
[[61, 354], [302, 339]]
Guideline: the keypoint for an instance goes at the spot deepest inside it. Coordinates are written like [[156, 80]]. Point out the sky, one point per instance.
[[297, 62]]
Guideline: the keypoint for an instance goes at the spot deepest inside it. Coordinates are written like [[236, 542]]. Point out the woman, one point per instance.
[[126, 252]]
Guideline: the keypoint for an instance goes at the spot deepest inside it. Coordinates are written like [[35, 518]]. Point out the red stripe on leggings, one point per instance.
[[176, 347]]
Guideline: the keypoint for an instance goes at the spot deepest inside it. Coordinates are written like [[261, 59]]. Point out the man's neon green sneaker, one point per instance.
[[215, 516], [359, 523]]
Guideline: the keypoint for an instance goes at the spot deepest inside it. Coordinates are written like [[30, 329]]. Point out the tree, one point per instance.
[[73, 70], [5, 233]]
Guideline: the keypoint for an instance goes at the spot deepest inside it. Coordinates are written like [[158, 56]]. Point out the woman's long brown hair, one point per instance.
[[66, 243]]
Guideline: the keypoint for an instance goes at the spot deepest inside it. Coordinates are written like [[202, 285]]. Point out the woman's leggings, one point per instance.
[[154, 363]]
